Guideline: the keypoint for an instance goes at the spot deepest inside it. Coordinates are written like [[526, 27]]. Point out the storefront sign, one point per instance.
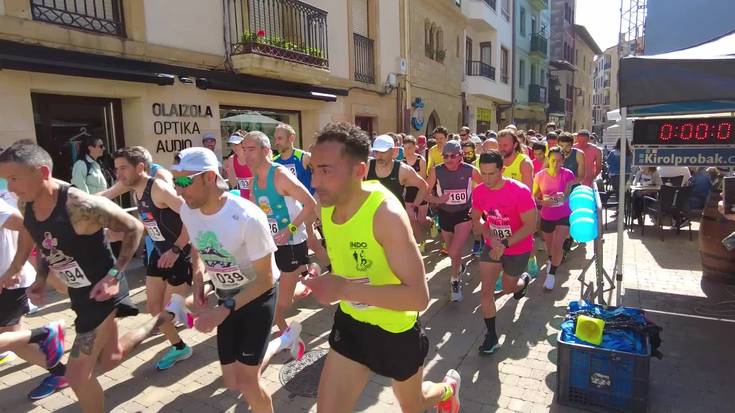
[[186, 126], [686, 156], [484, 115]]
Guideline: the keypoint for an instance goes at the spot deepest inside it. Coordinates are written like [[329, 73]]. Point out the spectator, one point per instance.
[[702, 181], [86, 173], [612, 160], [669, 172]]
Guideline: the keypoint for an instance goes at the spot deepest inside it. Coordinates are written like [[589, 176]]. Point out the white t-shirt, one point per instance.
[[229, 240], [9, 241], [674, 171]]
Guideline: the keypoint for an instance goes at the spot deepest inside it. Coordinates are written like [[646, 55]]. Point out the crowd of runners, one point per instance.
[[231, 246]]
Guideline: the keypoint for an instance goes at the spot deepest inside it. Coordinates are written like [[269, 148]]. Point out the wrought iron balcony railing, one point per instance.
[[364, 59], [536, 94], [284, 29], [478, 68], [99, 16], [539, 44]]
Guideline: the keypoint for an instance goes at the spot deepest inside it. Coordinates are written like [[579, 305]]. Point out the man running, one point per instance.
[[232, 242], [417, 211], [378, 279], [392, 173], [592, 157], [509, 223], [169, 264], [574, 159], [288, 206], [516, 164], [434, 156], [238, 171], [551, 189], [67, 226], [41, 346], [454, 181]]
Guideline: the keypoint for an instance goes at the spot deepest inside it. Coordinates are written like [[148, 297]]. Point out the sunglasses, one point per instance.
[[184, 181], [451, 155]]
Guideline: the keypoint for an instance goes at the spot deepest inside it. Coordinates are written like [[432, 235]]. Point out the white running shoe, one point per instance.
[[292, 341], [549, 282], [451, 405], [456, 287], [177, 307]]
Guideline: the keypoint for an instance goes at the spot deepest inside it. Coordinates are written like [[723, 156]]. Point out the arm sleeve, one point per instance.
[[79, 176], [259, 240]]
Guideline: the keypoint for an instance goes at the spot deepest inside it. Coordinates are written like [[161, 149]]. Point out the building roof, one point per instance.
[[582, 32]]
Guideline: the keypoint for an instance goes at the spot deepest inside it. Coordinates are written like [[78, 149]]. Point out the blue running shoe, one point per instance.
[[48, 386]]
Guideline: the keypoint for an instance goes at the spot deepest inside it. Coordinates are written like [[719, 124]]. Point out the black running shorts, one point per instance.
[[13, 306], [290, 257], [395, 355], [244, 334], [178, 274]]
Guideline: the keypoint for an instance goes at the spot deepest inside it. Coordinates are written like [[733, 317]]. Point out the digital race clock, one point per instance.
[[693, 131]]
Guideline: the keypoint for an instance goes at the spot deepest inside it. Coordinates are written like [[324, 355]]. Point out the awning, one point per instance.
[[42, 59]]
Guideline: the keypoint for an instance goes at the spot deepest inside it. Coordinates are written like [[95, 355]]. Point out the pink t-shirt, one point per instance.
[[538, 165], [502, 209], [590, 155], [552, 187]]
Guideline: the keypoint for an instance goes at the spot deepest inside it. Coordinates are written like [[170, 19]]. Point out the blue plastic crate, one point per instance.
[[602, 380]]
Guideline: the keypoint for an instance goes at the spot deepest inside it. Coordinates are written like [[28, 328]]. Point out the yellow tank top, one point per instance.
[[513, 170], [358, 257], [434, 158]]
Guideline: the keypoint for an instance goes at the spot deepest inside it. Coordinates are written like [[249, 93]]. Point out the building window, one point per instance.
[[440, 52], [504, 65], [260, 119], [533, 74], [486, 49], [429, 39], [522, 22], [521, 73], [100, 16], [542, 78]]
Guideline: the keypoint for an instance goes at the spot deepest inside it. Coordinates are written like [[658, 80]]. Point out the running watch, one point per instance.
[[114, 273], [293, 228]]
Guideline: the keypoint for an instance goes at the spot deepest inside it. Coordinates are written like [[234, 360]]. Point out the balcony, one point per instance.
[[477, 68], [539, 46], [536, 94], [364, 59], [99, 16], [607, 65], [540, 4], [557, 105], [277, 38], [483, 14]]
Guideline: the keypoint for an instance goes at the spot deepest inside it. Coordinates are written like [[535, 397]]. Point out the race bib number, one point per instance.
[[291, 167], [72, 275], [354, 304], [456, 196], [273, 224], [501, 231], [153, 231], [227, 278], [556, 199], [243, 183]]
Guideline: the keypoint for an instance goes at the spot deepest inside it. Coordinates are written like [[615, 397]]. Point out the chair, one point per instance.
[[673, 202], [608, 199], [673, 180]]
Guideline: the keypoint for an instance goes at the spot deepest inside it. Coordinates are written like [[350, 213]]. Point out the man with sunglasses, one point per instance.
[[232, 242], [392, 173], [454, 181], [169, 264]]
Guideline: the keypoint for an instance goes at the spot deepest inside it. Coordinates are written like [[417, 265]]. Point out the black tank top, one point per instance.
[[163, 225], [81, 260], [412, 191], [392, 182]]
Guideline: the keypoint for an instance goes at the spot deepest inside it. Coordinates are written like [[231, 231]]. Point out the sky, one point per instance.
[[602, 20]]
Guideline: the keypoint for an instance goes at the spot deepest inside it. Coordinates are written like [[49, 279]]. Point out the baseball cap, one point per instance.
[[383, 143], [208, 136], [452, 147], [197, 159], [235, 138]]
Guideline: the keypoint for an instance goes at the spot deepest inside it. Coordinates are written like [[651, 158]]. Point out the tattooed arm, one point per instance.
[[90, 213]]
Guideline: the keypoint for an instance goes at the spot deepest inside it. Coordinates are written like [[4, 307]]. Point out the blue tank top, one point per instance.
[[281, 210], [295, 164], [570, 161]]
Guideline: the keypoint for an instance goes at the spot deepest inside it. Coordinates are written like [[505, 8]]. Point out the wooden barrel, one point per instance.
[[718, 264]]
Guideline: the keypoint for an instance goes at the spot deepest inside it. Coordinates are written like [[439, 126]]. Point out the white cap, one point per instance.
[[197, 160], [383, 143], [235, 139]]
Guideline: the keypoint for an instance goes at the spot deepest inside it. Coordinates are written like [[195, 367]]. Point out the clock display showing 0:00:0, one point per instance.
[[697, 130]]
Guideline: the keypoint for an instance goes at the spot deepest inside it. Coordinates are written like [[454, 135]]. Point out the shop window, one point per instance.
[[257, 119]]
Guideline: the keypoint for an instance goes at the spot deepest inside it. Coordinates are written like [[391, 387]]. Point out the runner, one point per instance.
[[454, 181], [539, 159], [169, 264], [298, 162], [469, 156], [434, 155], [574, 159], [552, 139], [67, 226], [379, 280], [288, 206], [238, 172], [41, 346], [516, 165], [232, 242], [592, 157], [392, 173], [551, 189], [417, 212], [510, 220]]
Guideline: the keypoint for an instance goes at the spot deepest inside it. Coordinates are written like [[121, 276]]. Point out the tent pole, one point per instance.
[[618, 271]]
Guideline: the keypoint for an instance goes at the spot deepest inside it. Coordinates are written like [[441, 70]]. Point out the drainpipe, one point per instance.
[[513, 67], [406, 53]]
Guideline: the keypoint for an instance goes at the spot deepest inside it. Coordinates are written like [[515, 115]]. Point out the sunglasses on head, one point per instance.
[[184, 181], [450, 155]]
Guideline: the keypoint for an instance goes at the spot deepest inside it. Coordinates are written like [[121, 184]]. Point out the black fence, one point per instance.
[[99, 16], [478, 68], [536, 93], [284, 29], [364, 59], [539, 44]]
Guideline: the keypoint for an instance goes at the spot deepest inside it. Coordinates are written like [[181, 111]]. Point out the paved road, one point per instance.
[[663, 276]]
